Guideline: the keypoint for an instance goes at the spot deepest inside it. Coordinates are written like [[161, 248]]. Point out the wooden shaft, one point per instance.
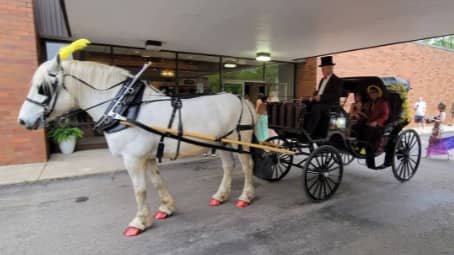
[[213, 138]]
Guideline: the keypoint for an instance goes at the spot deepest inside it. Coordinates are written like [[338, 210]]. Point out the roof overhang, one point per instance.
[[287, 29]]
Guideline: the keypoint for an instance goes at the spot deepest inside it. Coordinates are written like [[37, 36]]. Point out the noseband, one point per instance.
[[49, 103]]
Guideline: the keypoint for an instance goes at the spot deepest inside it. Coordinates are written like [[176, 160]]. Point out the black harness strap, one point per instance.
[[184, 139], [176, 105]]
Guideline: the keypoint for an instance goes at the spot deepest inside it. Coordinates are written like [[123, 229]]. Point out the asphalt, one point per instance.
[[371, 213]]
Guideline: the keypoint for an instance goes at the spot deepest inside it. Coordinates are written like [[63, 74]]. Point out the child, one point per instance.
[[261, 129]]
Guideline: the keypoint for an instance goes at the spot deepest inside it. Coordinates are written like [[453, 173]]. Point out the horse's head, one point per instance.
[[48, 97]]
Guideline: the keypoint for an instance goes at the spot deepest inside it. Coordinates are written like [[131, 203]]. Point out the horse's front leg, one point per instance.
[[137, 170], [224, 189], [166, 201], [248, 193]]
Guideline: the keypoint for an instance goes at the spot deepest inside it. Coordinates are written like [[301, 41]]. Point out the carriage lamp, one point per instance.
[[263, 56]]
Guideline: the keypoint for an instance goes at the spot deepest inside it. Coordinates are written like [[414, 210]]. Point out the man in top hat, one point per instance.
[[326, 96]]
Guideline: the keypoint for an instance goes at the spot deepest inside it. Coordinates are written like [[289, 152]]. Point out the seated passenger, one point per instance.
[[377, 112], [356, 114]]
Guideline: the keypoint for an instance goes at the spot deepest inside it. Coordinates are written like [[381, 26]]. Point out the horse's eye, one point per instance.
[[43, 91]]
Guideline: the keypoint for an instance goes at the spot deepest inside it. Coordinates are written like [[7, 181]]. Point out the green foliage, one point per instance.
[[61, 134], [444, 41]]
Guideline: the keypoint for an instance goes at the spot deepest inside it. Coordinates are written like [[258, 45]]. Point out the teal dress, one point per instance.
[[261, 128]]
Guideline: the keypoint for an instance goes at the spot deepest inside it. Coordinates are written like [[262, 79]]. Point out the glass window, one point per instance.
[[198, 74], [279, 78], [52, 49], [96, 53], [162, 72]]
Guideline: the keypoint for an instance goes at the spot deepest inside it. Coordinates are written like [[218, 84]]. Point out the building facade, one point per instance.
[[430, 71]]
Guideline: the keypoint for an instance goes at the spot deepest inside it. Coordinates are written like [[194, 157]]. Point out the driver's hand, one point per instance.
[[316, 98], [373, 124]]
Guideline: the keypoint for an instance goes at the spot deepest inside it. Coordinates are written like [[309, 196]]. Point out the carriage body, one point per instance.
[[333, 143]]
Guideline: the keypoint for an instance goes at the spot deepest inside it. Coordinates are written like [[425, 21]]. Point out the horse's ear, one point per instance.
[[55, 64]]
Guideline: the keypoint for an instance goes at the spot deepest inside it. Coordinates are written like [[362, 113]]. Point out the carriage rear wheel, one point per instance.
[[322, 173], [273, 166], [347, 158], [407, 154]]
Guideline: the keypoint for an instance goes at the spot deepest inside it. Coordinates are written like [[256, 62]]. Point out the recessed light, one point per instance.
[[230, 65], [263, 56]]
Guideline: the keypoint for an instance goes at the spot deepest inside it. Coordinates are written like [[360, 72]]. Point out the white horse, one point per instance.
[[54, 91]]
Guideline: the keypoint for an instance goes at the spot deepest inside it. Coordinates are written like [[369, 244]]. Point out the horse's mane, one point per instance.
[[98, 75]]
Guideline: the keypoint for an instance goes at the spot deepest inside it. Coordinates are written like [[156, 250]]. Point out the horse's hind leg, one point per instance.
[[248, 193], [224, 189], [166, 201], [136, 168]]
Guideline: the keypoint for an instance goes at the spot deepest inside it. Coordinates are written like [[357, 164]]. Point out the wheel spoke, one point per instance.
[[400, 168], [318, 162], [328, 185], [324, 188], [310, 186], [334, 183], [320, 190]]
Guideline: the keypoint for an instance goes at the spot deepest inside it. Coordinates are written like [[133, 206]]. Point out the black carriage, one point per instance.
[[322, 157]]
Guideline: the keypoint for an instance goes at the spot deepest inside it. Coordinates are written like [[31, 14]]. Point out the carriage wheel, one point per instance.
[[281, 163], [407, 154], [347, 158], [323, 173], [272, 166]]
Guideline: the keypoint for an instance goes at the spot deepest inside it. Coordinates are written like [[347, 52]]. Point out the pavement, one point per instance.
[[371, 213]]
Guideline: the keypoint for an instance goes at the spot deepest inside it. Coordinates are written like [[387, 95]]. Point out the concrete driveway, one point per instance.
[[371, 213]]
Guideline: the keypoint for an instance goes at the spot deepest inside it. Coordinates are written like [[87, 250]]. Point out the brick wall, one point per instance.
[[306, 77], [429, 70], [18, 60]]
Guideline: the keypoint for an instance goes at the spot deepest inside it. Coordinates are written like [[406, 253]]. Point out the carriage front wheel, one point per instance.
[[322, 173], [407, 154], [272, 166]]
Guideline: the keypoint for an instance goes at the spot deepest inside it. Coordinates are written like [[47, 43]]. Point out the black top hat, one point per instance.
[[327, 61]]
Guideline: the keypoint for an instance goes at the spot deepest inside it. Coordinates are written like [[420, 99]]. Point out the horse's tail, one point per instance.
[[249, 110]]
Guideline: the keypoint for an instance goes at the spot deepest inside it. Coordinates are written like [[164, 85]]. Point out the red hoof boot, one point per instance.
[[132, 231], [214, 202], [242, 204], [161, 215]]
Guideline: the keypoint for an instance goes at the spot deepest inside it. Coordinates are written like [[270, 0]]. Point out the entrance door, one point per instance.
[[253, 89]]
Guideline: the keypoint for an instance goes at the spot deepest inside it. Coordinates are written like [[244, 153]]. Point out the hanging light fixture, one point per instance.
[[263, 56]]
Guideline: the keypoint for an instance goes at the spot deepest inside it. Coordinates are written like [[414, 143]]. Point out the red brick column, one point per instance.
[[18, 61], [306, 77]]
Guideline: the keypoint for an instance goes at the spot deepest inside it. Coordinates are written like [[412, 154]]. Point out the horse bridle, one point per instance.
[[51, 98]]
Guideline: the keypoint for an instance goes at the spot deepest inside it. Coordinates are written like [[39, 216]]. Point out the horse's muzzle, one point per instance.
[[32, 126]]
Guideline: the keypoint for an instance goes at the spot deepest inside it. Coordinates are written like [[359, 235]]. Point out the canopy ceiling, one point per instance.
[[288, 29]]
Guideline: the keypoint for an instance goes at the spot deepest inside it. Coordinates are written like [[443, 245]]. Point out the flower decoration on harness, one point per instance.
[[77, 45]]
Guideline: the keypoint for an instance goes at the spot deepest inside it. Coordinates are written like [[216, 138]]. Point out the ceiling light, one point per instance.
[[167, 73], [263, 56], [153, 45], [230, 65]]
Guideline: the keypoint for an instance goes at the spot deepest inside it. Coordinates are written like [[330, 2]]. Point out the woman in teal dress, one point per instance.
[[261, 128]]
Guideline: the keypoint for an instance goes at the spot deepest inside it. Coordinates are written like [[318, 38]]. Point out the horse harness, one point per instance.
[[126, 106]]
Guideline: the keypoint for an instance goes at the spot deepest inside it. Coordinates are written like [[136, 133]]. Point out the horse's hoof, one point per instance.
[[242, 204], [132, 231], [214, 202], [161, 215]]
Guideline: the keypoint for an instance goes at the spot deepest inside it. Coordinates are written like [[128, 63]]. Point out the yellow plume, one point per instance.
[[74, 46]]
